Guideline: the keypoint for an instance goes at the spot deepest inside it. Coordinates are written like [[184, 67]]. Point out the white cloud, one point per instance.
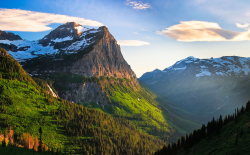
[[132, 43], [139, 5], [189, 31], [243, 26], [23, 20]]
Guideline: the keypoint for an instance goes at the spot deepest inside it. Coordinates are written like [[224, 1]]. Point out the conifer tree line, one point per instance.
[[211, 129]]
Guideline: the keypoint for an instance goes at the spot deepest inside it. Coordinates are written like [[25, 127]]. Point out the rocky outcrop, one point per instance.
[[87, 92]]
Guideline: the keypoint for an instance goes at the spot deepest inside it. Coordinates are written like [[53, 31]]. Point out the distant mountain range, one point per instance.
[[224, 66], [200, 89]]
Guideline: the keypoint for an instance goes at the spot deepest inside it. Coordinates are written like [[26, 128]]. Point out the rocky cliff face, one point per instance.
[[87, 92], [105, 59]]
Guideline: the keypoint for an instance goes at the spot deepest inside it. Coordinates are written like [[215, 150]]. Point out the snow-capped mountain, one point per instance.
[[202, 88], [73, 52], [67, 38], [224, 66]]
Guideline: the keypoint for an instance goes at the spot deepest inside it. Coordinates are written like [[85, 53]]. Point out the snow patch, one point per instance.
[[62, 39], [219, 73], [204, 72], [30, 49], [180, 68], [77, 45], [52, 92]]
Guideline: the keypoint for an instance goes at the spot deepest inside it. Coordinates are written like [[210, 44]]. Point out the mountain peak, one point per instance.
[[73, 27], [9, 36], [64, 32], [188, 59], [194, 67]]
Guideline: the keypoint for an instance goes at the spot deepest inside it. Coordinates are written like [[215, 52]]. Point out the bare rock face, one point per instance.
[[87, 92], [105, 59]]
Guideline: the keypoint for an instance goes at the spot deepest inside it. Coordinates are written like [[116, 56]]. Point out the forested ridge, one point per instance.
[[228, 135]]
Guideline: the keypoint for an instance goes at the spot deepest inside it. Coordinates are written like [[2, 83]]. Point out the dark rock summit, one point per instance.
[[9, 36], [68, 31]]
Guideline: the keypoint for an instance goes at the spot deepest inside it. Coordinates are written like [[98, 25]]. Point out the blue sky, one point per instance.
[[220, 28]]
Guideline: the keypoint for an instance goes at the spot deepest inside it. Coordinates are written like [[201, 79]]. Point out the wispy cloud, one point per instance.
[[190, 31], [139, 5], [132, 43], [23, 20], [243, 26]]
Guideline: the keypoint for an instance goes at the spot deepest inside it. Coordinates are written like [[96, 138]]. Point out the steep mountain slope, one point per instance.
[[86, 66], [202, 88], [223, 136], [27, 112]]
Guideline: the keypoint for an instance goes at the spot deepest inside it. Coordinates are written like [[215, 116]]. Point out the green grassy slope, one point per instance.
[[128, 100], [137, 104], [67, 127]]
